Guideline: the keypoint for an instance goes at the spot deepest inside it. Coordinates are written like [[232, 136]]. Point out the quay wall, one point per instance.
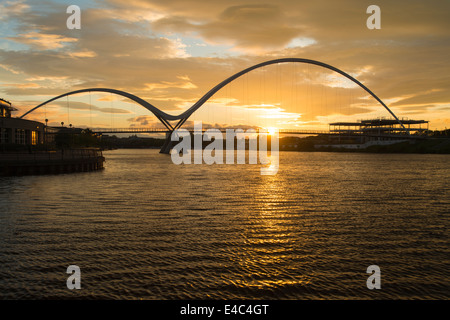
[[51, 162]]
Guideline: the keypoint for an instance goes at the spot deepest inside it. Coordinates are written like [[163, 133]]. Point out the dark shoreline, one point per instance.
[[437, 146]]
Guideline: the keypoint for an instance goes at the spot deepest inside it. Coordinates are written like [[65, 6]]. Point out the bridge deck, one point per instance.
[[164, 130], [280, 131]]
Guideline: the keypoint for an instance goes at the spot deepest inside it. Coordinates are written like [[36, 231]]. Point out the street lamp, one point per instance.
[[45, 132]]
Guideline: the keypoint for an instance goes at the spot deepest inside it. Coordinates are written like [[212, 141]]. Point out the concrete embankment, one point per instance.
[[51, 162]]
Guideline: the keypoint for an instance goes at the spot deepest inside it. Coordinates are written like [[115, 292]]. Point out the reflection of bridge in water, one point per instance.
[[174, 122]]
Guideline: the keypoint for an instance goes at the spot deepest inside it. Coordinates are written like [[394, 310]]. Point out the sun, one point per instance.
[[271, 131]]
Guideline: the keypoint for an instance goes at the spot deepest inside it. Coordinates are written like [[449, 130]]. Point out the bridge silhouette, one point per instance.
[[192, 129], [259, 130], [180, 119]]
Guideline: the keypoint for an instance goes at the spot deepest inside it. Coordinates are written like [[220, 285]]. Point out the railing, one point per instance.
[[336, 132], [128, 130]]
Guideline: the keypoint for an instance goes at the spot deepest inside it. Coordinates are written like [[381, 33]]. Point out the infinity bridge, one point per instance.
[[180, 119]]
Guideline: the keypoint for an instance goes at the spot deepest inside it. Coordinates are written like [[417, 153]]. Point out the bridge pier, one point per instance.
[[168, 144]]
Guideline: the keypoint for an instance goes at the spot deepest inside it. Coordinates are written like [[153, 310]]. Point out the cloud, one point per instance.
[[184, 84], [43, 41], [149, 121], [437, 96], [76, 105], [12, 8], [10, 69], [256, 27], [21, 85], [83, 54], [61, 106], [142, 47]]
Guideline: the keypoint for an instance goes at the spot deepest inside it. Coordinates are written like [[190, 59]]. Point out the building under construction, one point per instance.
[[364, 133]]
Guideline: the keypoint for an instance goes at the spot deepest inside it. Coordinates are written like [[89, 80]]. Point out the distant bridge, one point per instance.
[[260, 130], [163, 130]]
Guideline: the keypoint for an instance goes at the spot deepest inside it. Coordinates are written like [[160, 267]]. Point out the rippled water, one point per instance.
[[146, 228]]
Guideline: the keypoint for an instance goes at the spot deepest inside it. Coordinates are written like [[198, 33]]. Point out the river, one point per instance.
[[145, 228]]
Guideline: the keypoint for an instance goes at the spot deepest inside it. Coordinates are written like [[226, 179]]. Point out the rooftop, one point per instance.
[[378, 122], [4, 104]]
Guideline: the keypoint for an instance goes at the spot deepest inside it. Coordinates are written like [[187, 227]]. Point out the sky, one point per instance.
[[171, 52]]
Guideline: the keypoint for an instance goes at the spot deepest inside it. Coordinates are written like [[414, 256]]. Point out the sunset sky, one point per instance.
[[171, 52]]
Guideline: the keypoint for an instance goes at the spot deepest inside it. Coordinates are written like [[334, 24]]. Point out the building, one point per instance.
[[365, 133], [18, 131], [379, 129]]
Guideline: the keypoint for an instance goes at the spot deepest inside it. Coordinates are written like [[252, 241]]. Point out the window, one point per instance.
[[20, 136], [34, 138]]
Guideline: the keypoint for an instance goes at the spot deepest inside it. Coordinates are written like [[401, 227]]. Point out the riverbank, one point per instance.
[[321, 144]]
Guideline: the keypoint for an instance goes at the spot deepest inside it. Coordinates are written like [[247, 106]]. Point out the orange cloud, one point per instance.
[[43, 41]]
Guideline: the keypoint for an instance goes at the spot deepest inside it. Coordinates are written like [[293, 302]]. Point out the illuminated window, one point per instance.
[[34, 136]]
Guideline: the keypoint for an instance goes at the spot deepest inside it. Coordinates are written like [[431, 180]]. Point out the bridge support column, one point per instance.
[[168, 144]]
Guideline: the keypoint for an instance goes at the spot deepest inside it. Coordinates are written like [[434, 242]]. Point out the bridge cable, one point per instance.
[[111, 112], [229, 97], [308, 87], [209, 113], [341, 97], [336, 93], [282, 97], [291, 98], [260, 86], [277, 89], [295, 105], [68, 110], [320, 92], [327, 90], [90, 110], [134, 107], [244, 111]]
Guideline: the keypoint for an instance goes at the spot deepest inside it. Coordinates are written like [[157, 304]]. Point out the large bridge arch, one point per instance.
[[186, 114], [182, 117]]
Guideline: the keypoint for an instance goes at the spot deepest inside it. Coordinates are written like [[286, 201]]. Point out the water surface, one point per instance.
[[146, 228]]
